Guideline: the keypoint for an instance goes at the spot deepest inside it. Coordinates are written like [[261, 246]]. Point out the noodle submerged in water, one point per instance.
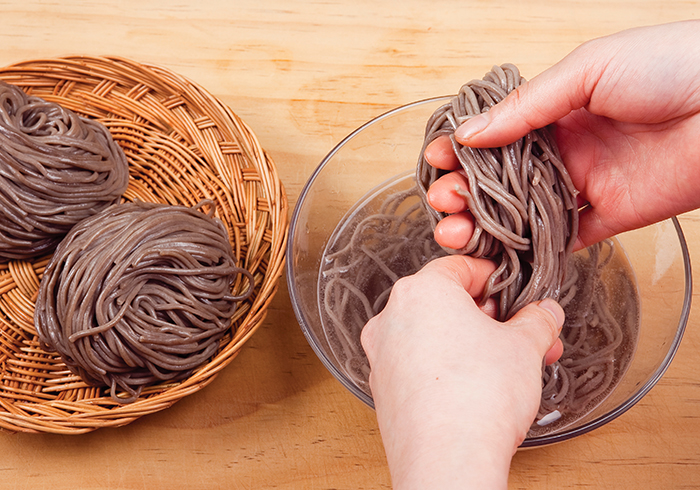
[[139, 294], [524, 206], [390, 236], [56, 169], [387, 238]]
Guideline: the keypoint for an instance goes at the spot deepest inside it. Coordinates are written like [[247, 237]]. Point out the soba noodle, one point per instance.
[[361, 266], [139, 294], [374, 247], [591, 337], [526, 219], [56, 169]]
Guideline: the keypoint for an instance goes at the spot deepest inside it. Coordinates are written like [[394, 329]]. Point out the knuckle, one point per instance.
[[402, 287], [367, 335]]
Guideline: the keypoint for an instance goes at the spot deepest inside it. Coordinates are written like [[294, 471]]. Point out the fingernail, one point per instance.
[[472, 126], [430, 198], [428, 153], [553, 307]]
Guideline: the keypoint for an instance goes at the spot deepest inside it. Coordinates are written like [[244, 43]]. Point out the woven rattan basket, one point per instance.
[[183, 145]]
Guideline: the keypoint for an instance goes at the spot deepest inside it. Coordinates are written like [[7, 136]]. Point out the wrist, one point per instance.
[[449, 449], [460, 464]]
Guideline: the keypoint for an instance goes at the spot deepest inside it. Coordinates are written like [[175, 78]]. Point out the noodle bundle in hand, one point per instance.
[[526, 220], [521, 196], [56, 169], [139, 294]]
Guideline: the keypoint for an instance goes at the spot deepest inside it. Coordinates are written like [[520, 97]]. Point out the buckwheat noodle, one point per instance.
[[56, 169], [138, 294], [592, 335], [521, 196], [361, 266]]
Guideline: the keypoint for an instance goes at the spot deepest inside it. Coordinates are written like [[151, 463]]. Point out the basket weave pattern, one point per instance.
[[183, 146]]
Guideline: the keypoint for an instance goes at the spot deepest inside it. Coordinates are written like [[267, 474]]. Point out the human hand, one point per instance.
[[626, 110], [455, 390]]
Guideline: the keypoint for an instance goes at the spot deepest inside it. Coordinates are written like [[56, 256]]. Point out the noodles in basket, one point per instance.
[[140, 294], [56, 168]]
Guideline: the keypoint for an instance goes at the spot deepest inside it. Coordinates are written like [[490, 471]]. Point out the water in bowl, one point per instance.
[[387, 235]]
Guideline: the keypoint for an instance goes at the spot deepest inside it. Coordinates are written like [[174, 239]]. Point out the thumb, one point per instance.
[[541, 322], [546, 98]]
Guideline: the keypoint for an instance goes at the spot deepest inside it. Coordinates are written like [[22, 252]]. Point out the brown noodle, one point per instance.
[[526, 219], [361, 266], [139, 294], [521, 196], [56, 169]]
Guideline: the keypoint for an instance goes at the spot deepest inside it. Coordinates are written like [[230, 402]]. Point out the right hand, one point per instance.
[[627, 114], [455, 390]]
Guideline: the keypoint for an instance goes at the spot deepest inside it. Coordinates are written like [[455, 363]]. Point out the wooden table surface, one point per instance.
[[303, 75]]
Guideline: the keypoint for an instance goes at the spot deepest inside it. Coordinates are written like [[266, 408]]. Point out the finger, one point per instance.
[[554, 353], [490, 307], [543, 100], [593, 228], [442, 194], [439, 154], [542, 322], [469, 273], [454, 231]]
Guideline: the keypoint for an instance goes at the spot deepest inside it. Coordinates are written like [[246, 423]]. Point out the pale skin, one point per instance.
[[455, 390]]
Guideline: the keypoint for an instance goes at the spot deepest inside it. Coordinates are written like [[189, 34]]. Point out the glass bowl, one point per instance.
[[381, 156]]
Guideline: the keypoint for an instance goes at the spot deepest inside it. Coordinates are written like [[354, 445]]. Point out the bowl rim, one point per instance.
[[530, 442]]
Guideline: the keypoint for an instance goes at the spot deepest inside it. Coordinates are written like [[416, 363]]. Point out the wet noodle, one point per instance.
[[56, 169], [139, 294], [526, 220], [521, 196]]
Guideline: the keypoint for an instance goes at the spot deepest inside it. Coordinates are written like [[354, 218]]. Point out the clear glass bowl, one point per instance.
[[386, 149]]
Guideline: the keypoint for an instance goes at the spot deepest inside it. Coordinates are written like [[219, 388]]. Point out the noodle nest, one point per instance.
[[56, 169], [139, 294]]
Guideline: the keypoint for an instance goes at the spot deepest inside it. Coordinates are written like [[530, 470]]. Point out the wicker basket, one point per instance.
[[183, 145]]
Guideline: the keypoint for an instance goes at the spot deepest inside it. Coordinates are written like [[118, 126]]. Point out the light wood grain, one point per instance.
[[302, 75]]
